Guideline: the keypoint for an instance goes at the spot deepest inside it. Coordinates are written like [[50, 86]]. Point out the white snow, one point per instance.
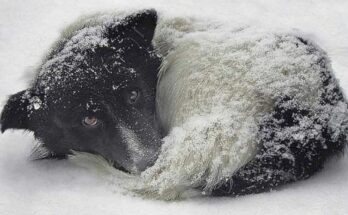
[[27, 29]]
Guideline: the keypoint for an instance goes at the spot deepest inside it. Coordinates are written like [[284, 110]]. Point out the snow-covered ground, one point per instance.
[[27, 28]]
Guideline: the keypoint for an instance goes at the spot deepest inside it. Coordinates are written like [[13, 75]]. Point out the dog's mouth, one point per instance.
[[119, 167]]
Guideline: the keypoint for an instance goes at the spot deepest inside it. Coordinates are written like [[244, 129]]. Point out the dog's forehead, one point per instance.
[[76, 103], [90, 56]]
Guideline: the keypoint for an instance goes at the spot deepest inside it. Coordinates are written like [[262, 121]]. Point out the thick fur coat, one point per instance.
[[243, 110], [246, 109]]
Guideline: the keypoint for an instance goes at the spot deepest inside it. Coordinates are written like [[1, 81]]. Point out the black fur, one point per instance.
[[280, 159], [98, 84]]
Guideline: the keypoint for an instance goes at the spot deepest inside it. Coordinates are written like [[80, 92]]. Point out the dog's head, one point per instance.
[[95, 93]]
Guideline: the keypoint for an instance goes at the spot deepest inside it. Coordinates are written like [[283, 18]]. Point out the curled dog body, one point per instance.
[[191, 104]]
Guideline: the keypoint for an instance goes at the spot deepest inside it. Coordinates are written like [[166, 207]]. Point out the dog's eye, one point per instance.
[[133, 96], [90, 121]]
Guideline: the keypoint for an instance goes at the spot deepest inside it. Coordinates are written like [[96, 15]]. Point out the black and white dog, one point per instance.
[[242, 111], [95, 89]]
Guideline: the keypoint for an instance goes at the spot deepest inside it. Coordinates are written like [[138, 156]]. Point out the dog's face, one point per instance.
[[96, 93]]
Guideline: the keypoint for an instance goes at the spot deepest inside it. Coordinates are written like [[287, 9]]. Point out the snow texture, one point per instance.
[[62, 187]]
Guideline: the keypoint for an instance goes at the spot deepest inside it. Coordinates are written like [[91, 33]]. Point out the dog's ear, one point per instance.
[[15, 114], [144, 24], [140, 27]]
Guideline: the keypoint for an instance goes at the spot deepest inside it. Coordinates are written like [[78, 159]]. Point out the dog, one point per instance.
[[144, 94]]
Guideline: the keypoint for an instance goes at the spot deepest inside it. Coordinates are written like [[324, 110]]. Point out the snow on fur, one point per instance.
[[216, 84]]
